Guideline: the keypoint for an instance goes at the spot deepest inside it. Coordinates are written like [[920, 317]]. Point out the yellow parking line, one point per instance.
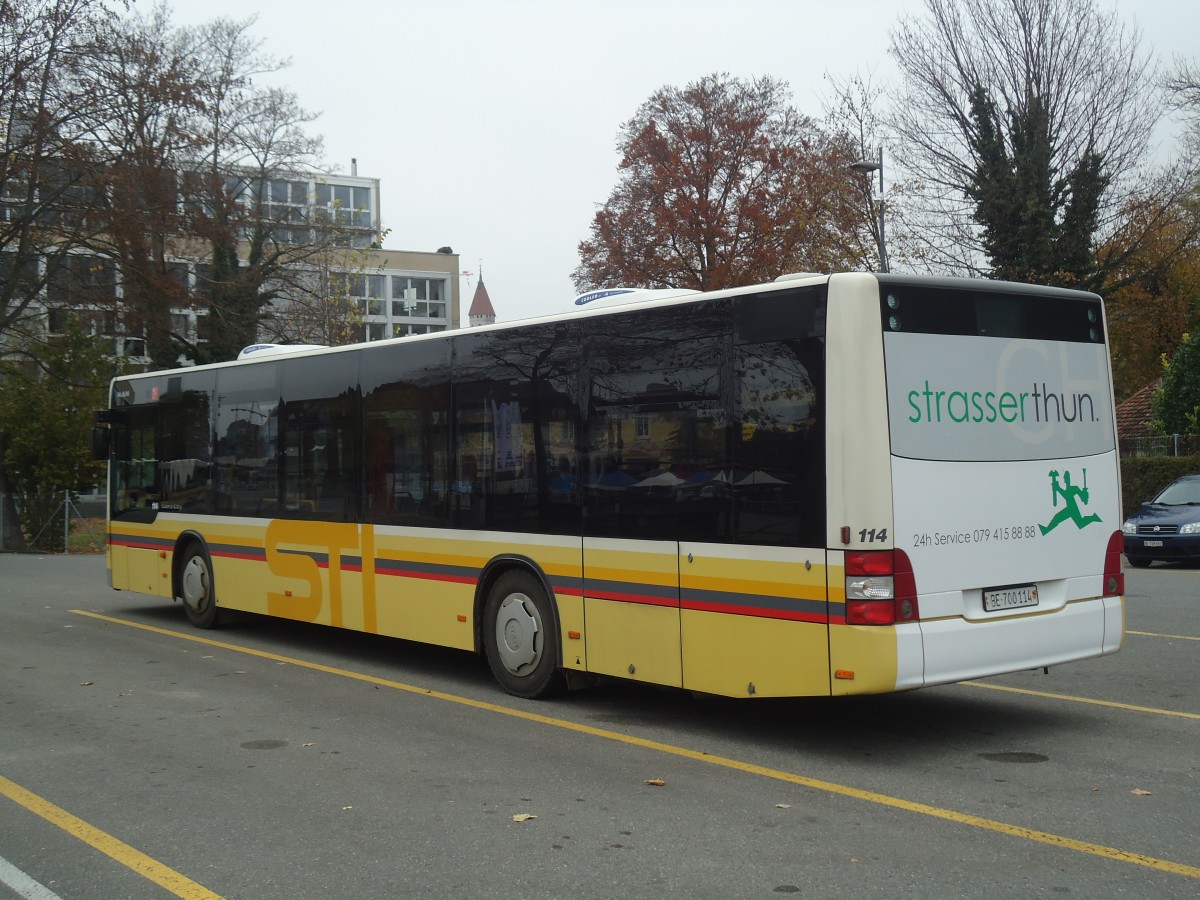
[[1090, 700], [1054, 840], [1174, 637], [144, 865]]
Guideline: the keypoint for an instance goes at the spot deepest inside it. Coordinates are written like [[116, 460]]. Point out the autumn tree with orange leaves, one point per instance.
[[722, 183]]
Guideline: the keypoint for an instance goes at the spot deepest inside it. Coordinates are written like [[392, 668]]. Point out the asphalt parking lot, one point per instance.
[[139, 758]]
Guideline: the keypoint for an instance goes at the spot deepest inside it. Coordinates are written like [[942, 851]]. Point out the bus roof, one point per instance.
[[609, 301]]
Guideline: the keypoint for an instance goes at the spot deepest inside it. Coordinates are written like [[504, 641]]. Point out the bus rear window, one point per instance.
[[1049, 316]]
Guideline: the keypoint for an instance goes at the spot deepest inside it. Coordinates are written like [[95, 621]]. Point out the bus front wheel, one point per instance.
[[196, 589], [520, 638]]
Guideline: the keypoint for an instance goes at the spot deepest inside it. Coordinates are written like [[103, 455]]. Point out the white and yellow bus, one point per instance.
[[828, 485]]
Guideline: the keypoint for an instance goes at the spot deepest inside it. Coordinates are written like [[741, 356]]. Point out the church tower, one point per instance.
[[481, 312]]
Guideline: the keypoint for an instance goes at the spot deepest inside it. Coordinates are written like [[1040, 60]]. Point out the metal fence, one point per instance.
[[53, 529], [1161, 445]]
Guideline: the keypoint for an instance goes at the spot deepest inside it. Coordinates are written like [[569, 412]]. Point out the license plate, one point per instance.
[[1151, 543], [1013, 596]]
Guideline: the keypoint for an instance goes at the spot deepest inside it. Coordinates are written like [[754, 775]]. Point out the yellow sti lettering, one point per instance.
[[293, 564], [295, 549], [338, 538]]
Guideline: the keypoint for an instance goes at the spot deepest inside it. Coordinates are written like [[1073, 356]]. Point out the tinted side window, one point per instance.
[[134, 461], [515, 426], [406, 433], [247, 440], [657, 405], [778, 475], [185, 443], [318, 439]]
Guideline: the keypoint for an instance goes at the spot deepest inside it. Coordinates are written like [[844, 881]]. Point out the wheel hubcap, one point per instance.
[[518, 637], [195, 584]]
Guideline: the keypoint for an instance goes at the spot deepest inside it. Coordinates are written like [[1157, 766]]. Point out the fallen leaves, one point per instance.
[[1138, 792], [655, 782], [523, 817]]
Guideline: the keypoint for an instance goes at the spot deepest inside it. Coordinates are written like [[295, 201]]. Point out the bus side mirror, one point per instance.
[[100, 436], [100, 444]]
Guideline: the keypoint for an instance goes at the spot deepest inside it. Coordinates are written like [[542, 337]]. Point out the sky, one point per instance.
[[492, 124]]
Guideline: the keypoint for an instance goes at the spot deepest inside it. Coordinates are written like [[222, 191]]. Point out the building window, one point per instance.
[[420, 297], [82, 279], [346, 204]]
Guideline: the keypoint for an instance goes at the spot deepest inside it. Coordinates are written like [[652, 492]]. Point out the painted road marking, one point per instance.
[[1174, 637], [144, 865], [22, 885], [1054, 840], [1070, 698]]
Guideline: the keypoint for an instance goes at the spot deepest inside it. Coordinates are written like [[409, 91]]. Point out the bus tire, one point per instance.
[[520, 637], [196, 588]]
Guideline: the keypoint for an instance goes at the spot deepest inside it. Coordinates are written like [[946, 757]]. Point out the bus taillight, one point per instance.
[[1114, 578], [880, 588]]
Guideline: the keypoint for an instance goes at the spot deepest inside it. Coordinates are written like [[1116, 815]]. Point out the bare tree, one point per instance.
[[325, 295], [147, 85], [1183, 93], [48, 197], [251, 136], [852, 115], [1089, 77]]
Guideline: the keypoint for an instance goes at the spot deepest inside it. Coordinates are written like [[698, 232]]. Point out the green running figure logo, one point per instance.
[[1071, 496]]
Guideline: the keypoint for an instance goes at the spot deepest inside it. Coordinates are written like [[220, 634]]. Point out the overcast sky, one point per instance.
[[492, 124]]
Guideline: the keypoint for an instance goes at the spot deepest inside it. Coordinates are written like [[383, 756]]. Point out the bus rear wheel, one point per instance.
[[196, 589], [520, 637]]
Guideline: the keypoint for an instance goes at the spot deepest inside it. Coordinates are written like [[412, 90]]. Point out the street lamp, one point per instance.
[[866, 167]]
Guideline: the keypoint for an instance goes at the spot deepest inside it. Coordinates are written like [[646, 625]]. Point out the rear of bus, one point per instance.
[[1001, 468]]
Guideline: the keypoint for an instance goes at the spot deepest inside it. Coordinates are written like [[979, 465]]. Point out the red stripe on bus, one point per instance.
[[757, 611], [427, 576], [137, 545], [254, 555], [644, 599]]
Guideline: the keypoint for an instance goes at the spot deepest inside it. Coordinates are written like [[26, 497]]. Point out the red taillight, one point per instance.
[[870, 612], [880, 588], [1114, 578], [870, 562]]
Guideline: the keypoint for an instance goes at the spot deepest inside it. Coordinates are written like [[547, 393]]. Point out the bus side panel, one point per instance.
[[862, 659], [859, 483], [754, 621], [140, 569], [425, 583], [236, 547], [631, 609], [425, 586], [869, 659]]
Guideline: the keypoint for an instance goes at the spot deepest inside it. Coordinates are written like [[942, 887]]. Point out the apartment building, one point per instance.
[[394, 292]]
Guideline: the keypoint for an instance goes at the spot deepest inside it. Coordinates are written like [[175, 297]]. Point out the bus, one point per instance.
[[825, 485]]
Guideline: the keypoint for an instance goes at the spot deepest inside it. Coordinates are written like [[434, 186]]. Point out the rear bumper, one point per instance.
[[955, 649]]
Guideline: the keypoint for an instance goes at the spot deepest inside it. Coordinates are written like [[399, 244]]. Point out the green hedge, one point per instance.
[[1144, 476]]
